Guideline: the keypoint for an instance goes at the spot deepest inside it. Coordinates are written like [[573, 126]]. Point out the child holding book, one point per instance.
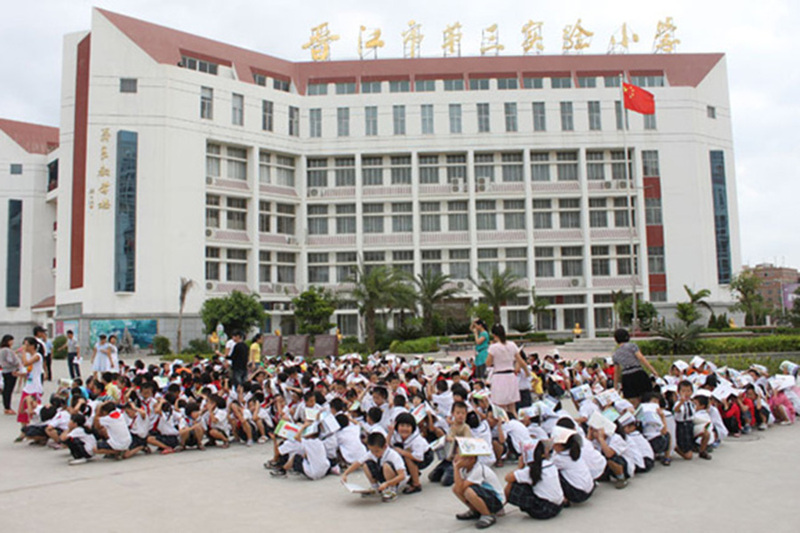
[[383, 466], [478, 487], [415, 450]]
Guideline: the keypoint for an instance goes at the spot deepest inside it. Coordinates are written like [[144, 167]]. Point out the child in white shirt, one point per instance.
[[535, 487], [307, 456], [477, 486], [110, 426], [81, 444], [414, 449], [576, 480], [383, 466]]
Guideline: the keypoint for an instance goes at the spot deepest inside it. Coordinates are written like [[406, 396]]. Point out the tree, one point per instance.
[[185, 286], [646, 312], [236, 312], [698, 299], [498, 289], [617, 301], [538, 305], [688, 312], [313, 309], [378, 288], [432, 289], [681, 337], [748, 298]]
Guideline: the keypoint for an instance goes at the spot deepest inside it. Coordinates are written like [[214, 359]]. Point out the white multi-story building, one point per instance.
[[185, 157]]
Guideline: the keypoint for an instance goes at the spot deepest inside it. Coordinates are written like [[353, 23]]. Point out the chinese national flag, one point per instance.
[[639, 100]]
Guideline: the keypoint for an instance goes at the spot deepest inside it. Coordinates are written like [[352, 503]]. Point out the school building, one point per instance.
[[185, 157]]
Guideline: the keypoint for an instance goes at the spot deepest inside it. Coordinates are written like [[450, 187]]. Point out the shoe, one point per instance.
[[20, 438], [55, 445], [9, 412], [762, 427], [666, 461], [705, 455], [335, 470], [389, 495], [412, 490], [620, 483], [80, 461], [248, 443], [485, 521], [785, 423], [262, 440], [167, 451], [280, 472], [468, 515]]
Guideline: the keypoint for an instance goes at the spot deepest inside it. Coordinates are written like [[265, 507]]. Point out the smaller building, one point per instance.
[[774, 280]]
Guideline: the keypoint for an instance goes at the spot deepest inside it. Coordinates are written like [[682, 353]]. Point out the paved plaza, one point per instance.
[[752, 484]]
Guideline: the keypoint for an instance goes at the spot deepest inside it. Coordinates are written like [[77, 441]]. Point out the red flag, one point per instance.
[[639, 100]]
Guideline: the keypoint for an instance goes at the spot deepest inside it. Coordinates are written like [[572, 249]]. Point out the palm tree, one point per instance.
[[698, 299], [539, 305], [185, 287], [378, 288], [498, 289], [617, 302], [432, 290]]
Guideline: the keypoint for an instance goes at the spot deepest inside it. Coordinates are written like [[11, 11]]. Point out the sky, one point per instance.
[[759, 39]]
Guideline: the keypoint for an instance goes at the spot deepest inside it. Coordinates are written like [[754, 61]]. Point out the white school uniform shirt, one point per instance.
[[716, 421], [549, 487], [587, 409], [114, 367], [350, 446], [353, 379], [685, 413], [637, 440], [443, 403], [537, 432], [87, 440], [484, 432], [415, 444], [137, 425], [576, 473], [391, 415], [60, 421], [631, 453], [483, 476], [595, 461], [517, 432], [652, 426], [101, 363], [168, 424], [33, 379], [389, 456], [375, 428], [221, 423], [119, 438]]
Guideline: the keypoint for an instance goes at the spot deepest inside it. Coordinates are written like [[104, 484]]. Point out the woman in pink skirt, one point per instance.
[[32, 391], [504, 361]]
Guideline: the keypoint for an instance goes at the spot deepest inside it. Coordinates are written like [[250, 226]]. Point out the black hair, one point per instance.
[[78, 419], [320, 398], [37, 330], [473, 421], [441, 386], [376, 439], [375, 414], [191, 407], [308, 395], [407, 419], [702, 400], [459, 390], [6, 342], [535, 467], [573, 444], [381, 391], [712, 381], [460, 405], [337, 404], [685, 383], [500, 332], [622, 336], [481, 323], [342, 420], [257, 337], [399, 401]]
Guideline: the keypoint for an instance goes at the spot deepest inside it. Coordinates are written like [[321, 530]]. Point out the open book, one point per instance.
[[355, 488], [287, 430], [473, 447], [598, 421], [499, 413]]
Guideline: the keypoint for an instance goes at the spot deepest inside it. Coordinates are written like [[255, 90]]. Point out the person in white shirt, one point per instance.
[[111, 427], [383, 466], [348, 439], [576, 480], [113, 354], [101, 356], [307, 455], [535, 487], [412, 446], [478, 487], [81, 444]]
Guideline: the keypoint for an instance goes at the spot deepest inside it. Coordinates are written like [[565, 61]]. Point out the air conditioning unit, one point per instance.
[[210, 233], [291, 240], [209, 181], [482, 184], [314, 192], [463, 285], [607, 184], [210, 286], [456, 185], [280, 306], [575, 282], [622, 184]]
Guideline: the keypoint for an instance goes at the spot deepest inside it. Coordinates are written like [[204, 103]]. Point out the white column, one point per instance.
[[589, 326]]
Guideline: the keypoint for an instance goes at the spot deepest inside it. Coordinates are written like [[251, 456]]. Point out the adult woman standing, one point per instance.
[[9, 363], [33, 361], [504, 360], [629, 365], [481, 347]]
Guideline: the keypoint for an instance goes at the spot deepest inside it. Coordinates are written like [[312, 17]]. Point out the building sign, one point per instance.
[[136, 334]]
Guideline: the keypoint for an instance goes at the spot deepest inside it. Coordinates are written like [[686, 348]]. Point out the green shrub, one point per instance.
[[187, 357], [161, 345], [423, 345], [60, 347], [535, 337], [351, 345], [729, 345], [198, 346]]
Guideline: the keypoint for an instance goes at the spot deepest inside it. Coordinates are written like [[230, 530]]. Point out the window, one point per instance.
[[611, 81], [212, 211], [346, 88], [545, 265], [283, 170], [294, 121], [264, 167], [317, 172], [533, 83], [212, 264], [399, 119], [598, 214], [485, 216], [569, 214], [343, 121], [402, 220], [236, 266], [286, 267], [15, 169], [571, 267], [315, 122], [459, 264], [479, 85], [512, 167], [267, 115], [542, 214], [264, 216], [567, 122], [595, 123], [128, 85], [621, 214], [237, 110], [456, 168], [213, 160], [431, 262], [426, 114], [318, 219], [199, 65], [511, 116], [281, 85], [648, 81], [346, 266], [650, 121], [429, 169], [318, 269], [650, 168], [655, 259], [455, 118], [487, 261], [206, 103], [561, 82], [601, 263], [711, 111], [595, 167], [567, 166], [483, 118], [285, 219], [517, 262], [721, 225], [618, 113], [514, 214], [587, 82], [403, 260], [574, 316], [658, 296], [652, 211], [400, 169], [540, 166], [345, 172], [372, 171], [371, 120], [236, 163], [426, 86], [399, 86], [260, 79], [539, 121], [457, 219], [618, 164], [430, 217], [624, 260], [345, 219], [237, 214], [315, 89], [484, 168], [373, 218], [507, 83], [454, 85], [370, 87], [264, 266]]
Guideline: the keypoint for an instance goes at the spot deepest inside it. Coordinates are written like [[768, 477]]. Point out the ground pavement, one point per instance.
[[752, 484]]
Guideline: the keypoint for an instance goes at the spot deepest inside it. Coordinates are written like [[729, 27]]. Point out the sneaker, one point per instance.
[[262, 440], [705, 455], [620, 483], [55, 445], [762, 427], [80, 461], [280, 472], [468, 515], [335, 470], [249, 443], [485, 521], [785, 423], [389, 495]]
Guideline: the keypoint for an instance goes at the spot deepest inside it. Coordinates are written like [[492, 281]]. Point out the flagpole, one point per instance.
[[628, 188]]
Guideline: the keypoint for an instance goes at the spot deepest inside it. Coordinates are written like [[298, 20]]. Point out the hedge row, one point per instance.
[[423, 345], [728, 345]]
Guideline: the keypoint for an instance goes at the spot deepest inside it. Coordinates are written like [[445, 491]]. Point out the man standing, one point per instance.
[[40, 334], [73, 355], [238, 357]]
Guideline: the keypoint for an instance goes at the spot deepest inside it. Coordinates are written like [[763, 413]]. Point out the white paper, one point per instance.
[[473, 447]]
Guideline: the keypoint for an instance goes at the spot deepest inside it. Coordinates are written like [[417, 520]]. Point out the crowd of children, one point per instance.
[[393, 418]]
